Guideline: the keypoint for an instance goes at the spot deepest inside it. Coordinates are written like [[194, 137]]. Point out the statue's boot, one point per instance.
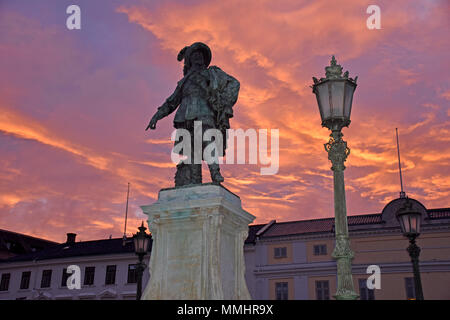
[[214, 169], [188, 174], [196, 173], [183, 174]]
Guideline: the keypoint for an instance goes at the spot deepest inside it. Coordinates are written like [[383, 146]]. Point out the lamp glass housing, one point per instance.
[[140, 243], [409, 222], [335, 97]]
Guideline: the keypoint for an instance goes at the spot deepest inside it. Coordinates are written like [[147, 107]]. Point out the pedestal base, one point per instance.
[[198, 244]]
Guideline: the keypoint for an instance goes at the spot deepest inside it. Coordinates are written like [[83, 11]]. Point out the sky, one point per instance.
[[74, 105]]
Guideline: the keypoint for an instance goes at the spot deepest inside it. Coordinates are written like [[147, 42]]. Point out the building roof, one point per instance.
[[82, 248], [13, 243], [316, 225], [325, 225], [273, 229], [441, 213]]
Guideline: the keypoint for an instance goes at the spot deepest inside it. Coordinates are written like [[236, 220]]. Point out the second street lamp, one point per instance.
[[141, 241], [410, 220], [335, 96]]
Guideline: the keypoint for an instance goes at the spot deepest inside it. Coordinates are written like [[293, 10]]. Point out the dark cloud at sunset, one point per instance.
[[74, 105]]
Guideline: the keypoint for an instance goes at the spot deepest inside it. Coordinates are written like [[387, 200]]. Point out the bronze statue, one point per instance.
[[205, 94]]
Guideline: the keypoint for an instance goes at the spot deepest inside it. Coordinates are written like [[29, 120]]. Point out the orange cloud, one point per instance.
[[23, 127], [273, 49]]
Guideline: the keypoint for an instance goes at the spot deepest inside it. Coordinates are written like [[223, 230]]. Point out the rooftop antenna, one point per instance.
[[402, 193], [126, 216]]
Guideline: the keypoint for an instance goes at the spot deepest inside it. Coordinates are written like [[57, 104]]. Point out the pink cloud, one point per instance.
[[72, 121]]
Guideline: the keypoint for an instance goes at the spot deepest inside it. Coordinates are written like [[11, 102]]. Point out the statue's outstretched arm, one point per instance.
[[167, 107]]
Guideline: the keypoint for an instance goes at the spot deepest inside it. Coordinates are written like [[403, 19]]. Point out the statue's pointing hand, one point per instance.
[[152, 124]]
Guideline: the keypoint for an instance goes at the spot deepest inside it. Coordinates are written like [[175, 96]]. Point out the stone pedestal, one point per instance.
[[198, 244]]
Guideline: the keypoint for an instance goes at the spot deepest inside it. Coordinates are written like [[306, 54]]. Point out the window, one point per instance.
[[4, 283], [25, 281], [46, 278], [65, 276], [89, 273], [410, 289], [322, 290], [364, 292], [110, 275], [132, 273], [281, 290], [320, 250], [280, 252]]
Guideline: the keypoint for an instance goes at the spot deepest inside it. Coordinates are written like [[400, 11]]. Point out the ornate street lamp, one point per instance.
[[410, 220], [141, 241], [334, 95]]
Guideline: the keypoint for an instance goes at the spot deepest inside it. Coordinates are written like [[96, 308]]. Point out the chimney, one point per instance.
[[71, 238]]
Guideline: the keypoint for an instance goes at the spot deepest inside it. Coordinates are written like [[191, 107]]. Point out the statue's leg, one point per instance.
[[196, 168], [214, 170], [196, 173], [213, 166], [184, 175], [188, 172]]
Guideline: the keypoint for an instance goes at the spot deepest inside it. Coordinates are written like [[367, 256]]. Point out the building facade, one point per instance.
[[107, 267], [284, 260], [292, 260]]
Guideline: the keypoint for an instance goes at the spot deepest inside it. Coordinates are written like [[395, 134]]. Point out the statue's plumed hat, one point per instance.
[[186, 52]]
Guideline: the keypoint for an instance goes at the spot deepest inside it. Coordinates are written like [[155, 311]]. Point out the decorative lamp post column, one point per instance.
[[141, 241], [410, 220], [334, 96]]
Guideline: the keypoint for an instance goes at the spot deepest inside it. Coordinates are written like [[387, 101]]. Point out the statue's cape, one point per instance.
[[223, 95], [224, 91]]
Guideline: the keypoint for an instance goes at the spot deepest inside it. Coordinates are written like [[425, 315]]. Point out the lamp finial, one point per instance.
[[334, 71], [333, 61]]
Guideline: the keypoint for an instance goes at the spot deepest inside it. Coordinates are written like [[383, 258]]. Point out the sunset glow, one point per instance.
[[74, 105]]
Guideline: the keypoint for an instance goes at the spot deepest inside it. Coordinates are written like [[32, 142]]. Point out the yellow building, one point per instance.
[[292, 260], [284, 260]]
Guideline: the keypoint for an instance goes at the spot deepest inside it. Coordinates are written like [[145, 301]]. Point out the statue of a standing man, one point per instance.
[[206, 95]]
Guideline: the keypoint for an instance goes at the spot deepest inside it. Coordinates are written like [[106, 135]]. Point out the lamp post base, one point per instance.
[[344, 256], [346, 295]]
